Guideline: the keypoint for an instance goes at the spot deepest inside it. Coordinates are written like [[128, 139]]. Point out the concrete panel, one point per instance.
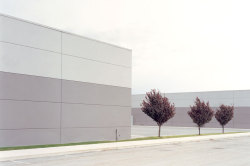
[[138, 97], [139, 118], [215, 124], [80, 115], [25, 60], [217, 95], [94, 50], [27, 114], [78, 69], [136, 103], [29, 137], [242, 102], [145, 123], [188, 102], [242, 125], [182, 102], [240, 99], [170, 122], [137, 100], [218, 102], [32, 108], [181, 116], [183, 96], [28, 34], [94, 134], [214, 98], [80, 92], [241, 94], [25, 87], [191, 101], [242, 115]]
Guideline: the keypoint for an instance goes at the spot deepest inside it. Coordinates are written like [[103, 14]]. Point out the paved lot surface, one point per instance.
[[229, 152], [146, 131]]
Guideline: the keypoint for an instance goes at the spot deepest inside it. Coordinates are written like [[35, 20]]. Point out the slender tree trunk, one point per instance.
[[199, 130], [159, 131], [223, 129]]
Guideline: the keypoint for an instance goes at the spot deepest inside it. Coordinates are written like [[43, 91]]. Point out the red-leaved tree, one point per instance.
[[158, 108], [224, 114], [201, 113]]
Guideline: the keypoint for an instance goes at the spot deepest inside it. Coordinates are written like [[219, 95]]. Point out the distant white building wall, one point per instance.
[[240, 99]]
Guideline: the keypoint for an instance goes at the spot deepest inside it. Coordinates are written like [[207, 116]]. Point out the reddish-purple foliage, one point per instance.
[[158, 108], [224, 114], [201, 113]]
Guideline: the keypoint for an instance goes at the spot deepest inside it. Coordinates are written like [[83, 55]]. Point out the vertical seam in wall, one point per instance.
[[61, 96], [234, 108]]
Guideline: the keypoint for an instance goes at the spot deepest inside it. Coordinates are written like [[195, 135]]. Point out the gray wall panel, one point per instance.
[[182, 116], [27, 114], [34, 105], [25, 87], [242, 126], [242, 115], [29, 137], [80, 92], [98, 134], [81, 115], [139, 117]]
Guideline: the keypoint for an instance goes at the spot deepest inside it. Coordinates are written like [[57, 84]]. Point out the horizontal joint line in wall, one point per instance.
[[93, 127], [63, 79], [97, 61], [59, 53], [62, 128], [54, 78], [61, 102], [52, 128], [95, 104]]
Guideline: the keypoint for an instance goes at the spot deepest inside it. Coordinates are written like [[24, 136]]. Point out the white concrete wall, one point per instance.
[[31, 61], [238, 98], [93, 50], [28, 34], [79, 69], [58, 87], [27, 48]]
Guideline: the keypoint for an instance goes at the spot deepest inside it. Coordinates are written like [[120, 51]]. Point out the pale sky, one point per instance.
[[178, 45]]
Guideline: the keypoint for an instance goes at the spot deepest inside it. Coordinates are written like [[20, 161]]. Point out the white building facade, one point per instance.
[[240, 99], [57, 87]]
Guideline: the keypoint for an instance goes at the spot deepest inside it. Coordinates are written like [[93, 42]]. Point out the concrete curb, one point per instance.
[[53, 151]]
